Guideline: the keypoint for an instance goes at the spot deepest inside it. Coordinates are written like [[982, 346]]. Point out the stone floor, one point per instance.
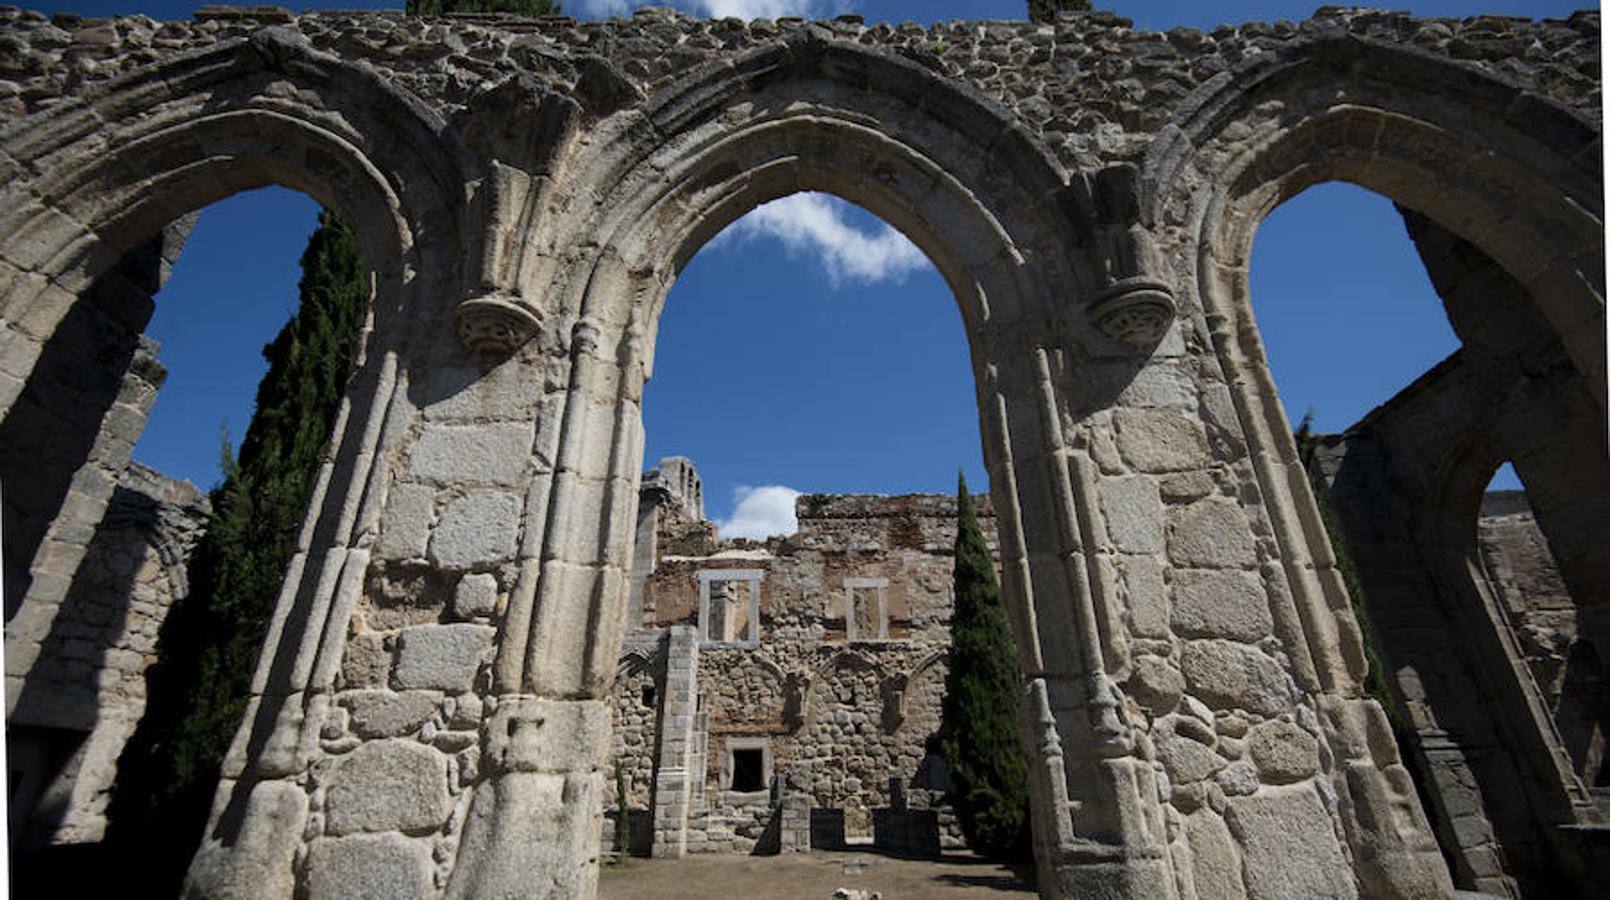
[[811, 876]]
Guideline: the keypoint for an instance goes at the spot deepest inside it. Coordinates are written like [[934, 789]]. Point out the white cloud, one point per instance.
[[714, 9], [761, 512], [815, 224], [754, 9], [603, 9]]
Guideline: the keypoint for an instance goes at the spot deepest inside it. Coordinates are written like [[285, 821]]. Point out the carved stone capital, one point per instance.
[[1135, 311], [495, 324]]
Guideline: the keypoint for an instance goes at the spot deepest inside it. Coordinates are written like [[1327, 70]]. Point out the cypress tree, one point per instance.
[[209, 643], [978, 732], [1046, 10]]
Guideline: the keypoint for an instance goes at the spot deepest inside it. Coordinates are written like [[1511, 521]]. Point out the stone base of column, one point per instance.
[[1104, 872], [534, 819], [531, 835]]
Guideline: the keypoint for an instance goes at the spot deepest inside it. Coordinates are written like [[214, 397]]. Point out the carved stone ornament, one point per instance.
[[495, 324], [1135, 311]]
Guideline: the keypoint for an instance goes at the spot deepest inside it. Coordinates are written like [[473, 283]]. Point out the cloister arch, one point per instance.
[[1515, 178], [781, 120], [98, 176], [542, 182]]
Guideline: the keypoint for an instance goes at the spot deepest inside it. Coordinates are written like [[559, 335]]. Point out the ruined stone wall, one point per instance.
[[852, 715], [1543, 616], [527, 192], [69, 435], [1089, 87], [91, 670]]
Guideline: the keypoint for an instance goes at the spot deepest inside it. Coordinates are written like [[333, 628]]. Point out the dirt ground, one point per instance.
[[811, 876]]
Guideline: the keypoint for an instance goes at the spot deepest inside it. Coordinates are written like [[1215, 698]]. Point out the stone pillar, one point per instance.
[[794, 812], [678, 770], [538, 806]]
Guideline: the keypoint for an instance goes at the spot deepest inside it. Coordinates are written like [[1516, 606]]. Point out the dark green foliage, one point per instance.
[[1046, 10], [1375, 684], [978, 732], [209, 642], [531, 8]]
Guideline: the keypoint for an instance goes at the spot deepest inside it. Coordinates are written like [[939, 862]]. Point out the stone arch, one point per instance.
[[94, 176], [1554, 796], [119, 163], [1043, 283], [1513, 172], [899, 687], [752, 694], [1436, 136], [153, 145], [1506, 170]]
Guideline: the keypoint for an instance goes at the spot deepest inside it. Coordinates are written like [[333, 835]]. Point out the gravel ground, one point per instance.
[[811, 876]]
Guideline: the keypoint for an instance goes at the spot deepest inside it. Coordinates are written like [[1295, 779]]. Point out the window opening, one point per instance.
[[866, 614], [729, 605], [748, 769]]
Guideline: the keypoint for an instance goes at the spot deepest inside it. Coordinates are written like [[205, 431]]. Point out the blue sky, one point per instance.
[[809, 348]]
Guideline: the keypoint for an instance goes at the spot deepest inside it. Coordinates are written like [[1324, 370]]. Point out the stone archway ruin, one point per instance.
[[526, 191]]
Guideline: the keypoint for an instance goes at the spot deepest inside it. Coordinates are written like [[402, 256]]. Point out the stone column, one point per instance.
[[538, 806], [674, 779]]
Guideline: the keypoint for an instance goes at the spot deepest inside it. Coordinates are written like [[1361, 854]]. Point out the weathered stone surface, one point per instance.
[[1185, 758], [1212, 533], [379, 714], [1160, 440], [1228, 675], [472, 454], [390, 785], [1156, 683], [1065, 162], [524, 822], [501, 391], [405, 528], [1134, 514], [1160, 385], [1215, 860], [1283, 752], [366, 662], [477, 529], [1227, 604], [368, 866], [441, 657], [476, 596], [1147, 595], [1288, 845], [259, 862], [1238, 779]]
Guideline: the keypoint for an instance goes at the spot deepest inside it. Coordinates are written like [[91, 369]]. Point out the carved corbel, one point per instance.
[[519, 128], [1136, 305], [796, 700], [1134, 311], [496, 324]]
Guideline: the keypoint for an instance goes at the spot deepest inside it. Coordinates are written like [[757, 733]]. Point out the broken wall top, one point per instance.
[[1092, 89]]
